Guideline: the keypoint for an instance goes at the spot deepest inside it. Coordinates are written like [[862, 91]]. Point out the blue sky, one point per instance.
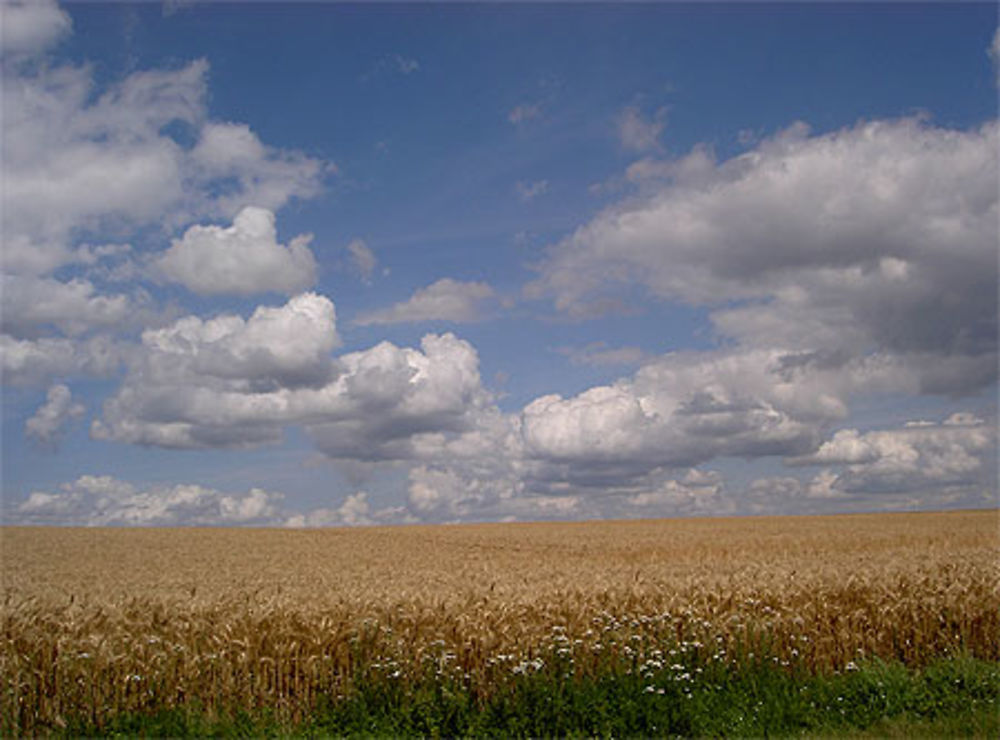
[[321, 264]]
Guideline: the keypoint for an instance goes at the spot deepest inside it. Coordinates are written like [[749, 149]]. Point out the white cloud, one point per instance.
[[31, 26], [354, 511], [36, 362], [105, 501], [287, 346], [31, 304], [842, 242], [102, 500], [50, 420], [616, 450], [138, 154], [81, 157], [854, 262], [639, 133], [913, 458], [389, 403], [225, 381], [847, 446], [230, 382], [604, 423], [243, 259], [363, 259], [90, 161], [696, 493], [444, 300], [231, 154], [679, 411], [524, 112], [544, 508], [530, 190], [444, 493]]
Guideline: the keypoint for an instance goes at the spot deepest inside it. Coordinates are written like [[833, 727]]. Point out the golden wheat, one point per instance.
[[102, 621]]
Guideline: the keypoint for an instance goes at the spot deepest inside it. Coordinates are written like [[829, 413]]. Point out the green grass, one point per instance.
[[954, 697]]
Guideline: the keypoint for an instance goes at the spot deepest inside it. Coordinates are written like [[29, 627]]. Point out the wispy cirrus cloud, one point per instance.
[[994, 54], [640, 133], [391, 63], [528, 191], [363, 259], [524, 112]]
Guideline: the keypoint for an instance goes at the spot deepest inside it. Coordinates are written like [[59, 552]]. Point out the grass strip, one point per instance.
[[952, 697]]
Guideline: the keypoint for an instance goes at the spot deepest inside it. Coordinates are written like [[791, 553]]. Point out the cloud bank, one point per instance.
[[826, 305], [101, 501], [834, 268]]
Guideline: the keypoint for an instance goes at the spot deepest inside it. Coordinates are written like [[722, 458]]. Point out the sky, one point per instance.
[[339, 264]]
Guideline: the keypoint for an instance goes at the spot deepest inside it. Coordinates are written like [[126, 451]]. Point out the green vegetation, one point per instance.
[[693, 696]]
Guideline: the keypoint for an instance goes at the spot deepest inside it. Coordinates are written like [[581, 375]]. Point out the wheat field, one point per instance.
[[96, 622]]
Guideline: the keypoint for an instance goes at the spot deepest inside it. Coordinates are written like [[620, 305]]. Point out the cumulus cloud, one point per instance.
[[92, 160], [243, 259], [680, 411], [545, 508], [105, 501], [797, 207], [640, 133], [36, 362], [389, 403], [286, 346], [877, 238], [50, 420], [225, 381], [31, 305], [362, 259], [921, 464], [230, 382], [854, 262], [698, 492], [444, 300], [918, 456], [623, 449], [31, 26], [353, 512], [102, 500], [107, 157], [253, 173], [140, 155], [443, 492]]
